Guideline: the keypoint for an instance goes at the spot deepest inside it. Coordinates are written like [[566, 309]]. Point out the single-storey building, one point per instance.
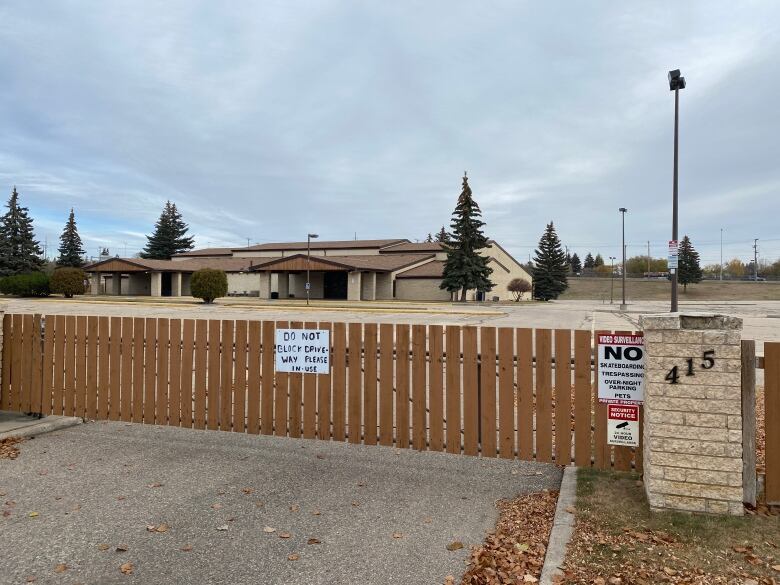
[[349, 270]]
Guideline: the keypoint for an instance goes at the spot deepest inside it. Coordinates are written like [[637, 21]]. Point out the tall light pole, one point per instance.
[[612, 281], [623, 211], [721, 253], [309, 238], [676, 83], [755, 259]]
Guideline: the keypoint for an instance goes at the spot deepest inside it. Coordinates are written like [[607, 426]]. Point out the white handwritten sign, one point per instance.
[[303, 351]]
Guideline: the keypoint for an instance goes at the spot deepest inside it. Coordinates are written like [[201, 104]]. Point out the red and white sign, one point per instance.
[[621, 366], [623, 425]]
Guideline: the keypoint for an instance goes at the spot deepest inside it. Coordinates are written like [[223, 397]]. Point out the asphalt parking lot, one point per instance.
[[210, 507]]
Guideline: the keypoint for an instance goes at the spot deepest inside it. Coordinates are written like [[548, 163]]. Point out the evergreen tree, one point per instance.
[[429, 239], [71, 248], [442, 236], [551, 267], [19, 250], [466, 268], [599, 261], [576, 265], [169, 237], [568, 261], [688, 269], [590, 263]]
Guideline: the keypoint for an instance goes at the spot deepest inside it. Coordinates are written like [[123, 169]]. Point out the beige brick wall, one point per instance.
[[692, 436], [420, 289]]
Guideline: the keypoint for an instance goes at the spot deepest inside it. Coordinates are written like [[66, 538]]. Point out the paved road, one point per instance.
[[94, 485]]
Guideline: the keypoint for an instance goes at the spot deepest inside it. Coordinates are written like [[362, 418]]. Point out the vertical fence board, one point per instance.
[[453, 392], [186, 395], [212, 375], [108, 355], [126, 376], [506, 395], [226, 378], [772, 421], [582, 398], [138, 370], [563, 390], [386, 342], [355, 392], [369, 385], [36, 368], [162, 368], [48, 364], [601, 451], [27, 363], [402, 386], [436, 387], [81, 365], [310, 398], [174, 384], [280, 396], [339, 380], [8, 347], [267, 379], [487, 391], [58, 377], [544, 395], [240, 384], [323, 393], [15, 342], [296, 385], [748, 395], [254, 393], [92, 366], [101, 373], [470, 392], [419, 390], [201, 363], [150, 368]]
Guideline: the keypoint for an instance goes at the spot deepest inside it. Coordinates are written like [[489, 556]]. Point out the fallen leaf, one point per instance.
[[222, 528], [32, 579], [284, 535], [33, 514], [320, 456], [269, 530], [293, 557], [61, 568], [397, 535], [295, 508], [530, 579], [316, 513], [186, 548], [126, 568], [361, 484], [455, 545], [570, 509], [121, 548], [313, 541], [154, 485], [103, 546], [247, 491], [355, 504], [776, 568], [216, 506], [163, 527], [120, 498]]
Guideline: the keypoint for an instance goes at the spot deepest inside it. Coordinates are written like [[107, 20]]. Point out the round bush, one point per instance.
[[209, 284], [33, 284], [67, 281], [518, 286]]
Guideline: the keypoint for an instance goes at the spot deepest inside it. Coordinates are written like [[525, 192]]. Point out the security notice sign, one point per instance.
[[621, 368], [303, 351], [623, 425]]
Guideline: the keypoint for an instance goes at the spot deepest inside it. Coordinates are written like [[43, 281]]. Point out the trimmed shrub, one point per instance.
[[209, 284], [518, 286], [67, 281], [33, 284]]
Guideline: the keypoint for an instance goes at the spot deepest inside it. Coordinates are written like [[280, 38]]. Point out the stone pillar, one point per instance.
[[265, 285], [116, 283], [283, 285], [176, 284], [368, 287], [156, 290], [354, 285], [384, 286], [94, 283], [692, 428]]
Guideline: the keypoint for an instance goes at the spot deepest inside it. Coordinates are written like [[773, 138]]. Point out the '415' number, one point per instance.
[[708, 361]]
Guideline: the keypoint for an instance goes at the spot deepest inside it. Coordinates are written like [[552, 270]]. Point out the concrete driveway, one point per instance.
[[379, 515]]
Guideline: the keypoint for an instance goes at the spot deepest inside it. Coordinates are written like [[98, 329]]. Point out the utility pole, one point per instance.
[[721, 253], [755, 259], [648, 258], [612, 280], [623, 305]]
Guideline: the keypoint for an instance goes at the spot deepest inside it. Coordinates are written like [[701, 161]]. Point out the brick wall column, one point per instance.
[[692, 431]]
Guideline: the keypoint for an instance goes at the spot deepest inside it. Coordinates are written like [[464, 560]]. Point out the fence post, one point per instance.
[[693, 413], [749, 421], [3, 383]]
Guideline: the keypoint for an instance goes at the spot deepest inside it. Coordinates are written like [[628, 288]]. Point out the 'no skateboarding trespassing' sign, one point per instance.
[[621, 363]]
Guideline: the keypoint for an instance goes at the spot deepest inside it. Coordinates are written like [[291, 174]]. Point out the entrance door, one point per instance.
[[335, 285], [166, 284]]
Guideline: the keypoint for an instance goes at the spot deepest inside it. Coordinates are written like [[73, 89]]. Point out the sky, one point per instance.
[[264, 121]]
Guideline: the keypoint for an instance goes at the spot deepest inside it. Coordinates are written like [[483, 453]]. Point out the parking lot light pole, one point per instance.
[[612, 281], [676, 83], [623, 305], [309, 238]]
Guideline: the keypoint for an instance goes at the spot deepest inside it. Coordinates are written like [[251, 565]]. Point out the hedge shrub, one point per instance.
[[33, 284], [209, 284], [67, 281]]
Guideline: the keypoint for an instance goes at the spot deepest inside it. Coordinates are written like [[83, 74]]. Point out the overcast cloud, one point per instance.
[[267, 120]]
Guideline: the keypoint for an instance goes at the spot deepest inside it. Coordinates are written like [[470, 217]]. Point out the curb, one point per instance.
[[563, 527], [45, 426]]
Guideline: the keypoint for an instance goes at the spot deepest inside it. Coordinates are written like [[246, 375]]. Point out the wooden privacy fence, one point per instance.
[[489, 391]]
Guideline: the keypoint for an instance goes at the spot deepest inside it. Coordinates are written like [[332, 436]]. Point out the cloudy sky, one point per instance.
[[265, 120]]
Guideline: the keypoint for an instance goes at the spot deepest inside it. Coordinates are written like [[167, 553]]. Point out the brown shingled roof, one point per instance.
[[207, 252], [323, 245], [410, 247], [370, 262], [433, 269], [189, 265]]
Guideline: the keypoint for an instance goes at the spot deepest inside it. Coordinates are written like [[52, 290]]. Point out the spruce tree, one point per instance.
[[551, 267], [429, 239], [169, 237], [466, 268], [688, 269], [576, 265], [19, 250], [442, 236], [590, 263], [599, 261], [71, 249]]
